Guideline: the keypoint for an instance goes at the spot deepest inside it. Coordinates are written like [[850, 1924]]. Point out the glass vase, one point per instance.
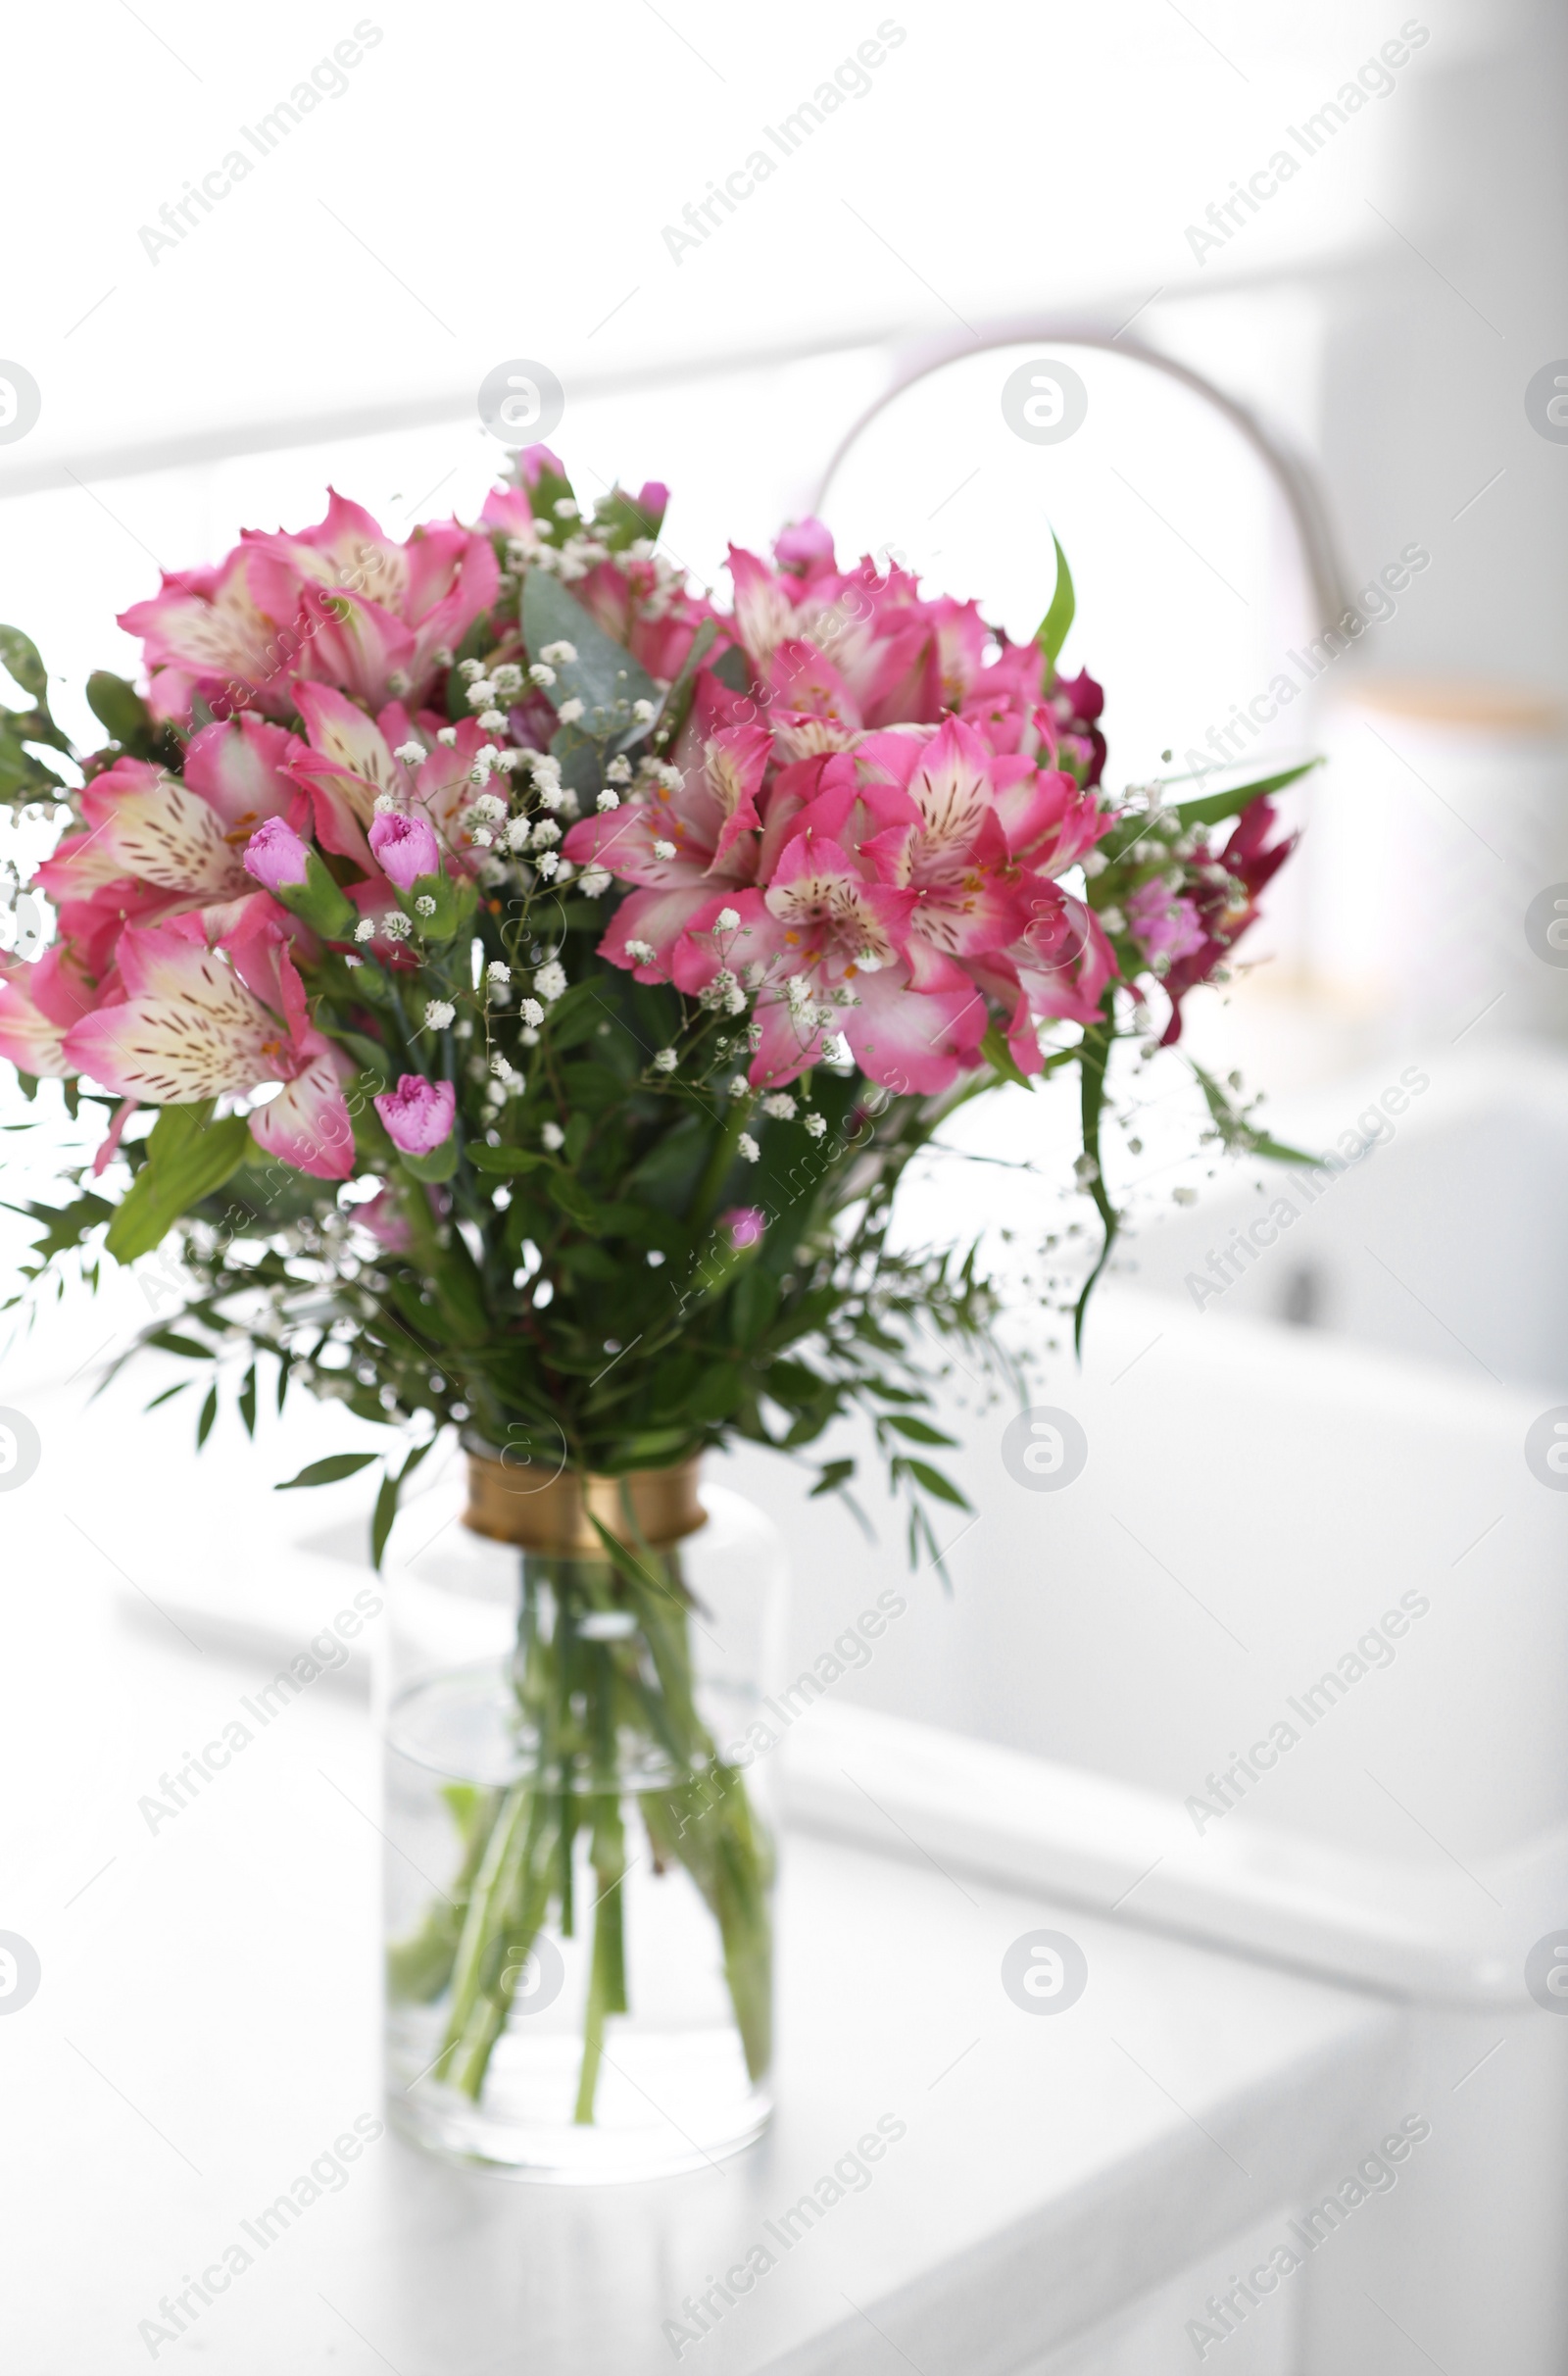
[[581, 1860]]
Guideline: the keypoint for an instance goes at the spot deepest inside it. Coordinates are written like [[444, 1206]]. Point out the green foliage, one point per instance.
[[1052, 632], [189, 1156]]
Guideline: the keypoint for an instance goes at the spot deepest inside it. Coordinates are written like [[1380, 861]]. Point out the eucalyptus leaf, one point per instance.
[[604, 676]]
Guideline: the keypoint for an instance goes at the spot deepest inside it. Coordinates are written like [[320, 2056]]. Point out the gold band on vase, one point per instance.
[[540, 1509]]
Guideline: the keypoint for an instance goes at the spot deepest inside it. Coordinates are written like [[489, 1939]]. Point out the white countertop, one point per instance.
[[207, 2025]]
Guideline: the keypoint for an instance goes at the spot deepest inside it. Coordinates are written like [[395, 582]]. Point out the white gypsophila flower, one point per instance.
[[664, 849], [641, 952], [1094, 862], [619, 771], [798, 990], [607, 800], [539, 674], [507, 761], [565, 872], [867, 961], [516, 833], [488, 809], [727, 920], [593, 882], [424, 905], [532, 1013], [553, 1137], [566, 802], [559, 655], [643, 713], [550, 981], [494, 721], [665, 1061], [545, 833], [814, 1125], [565, 508], [570, 712], [395, 925], [365, 929], [738, 1085], [547, 864], [507, 678], [412, 754], [734, 1001], [497, 972], [483, 835], [780, 1105], [438, 1012], [468, 669], [747, 1148], [447, 735], [553, 794], [349, 960], [482, 694], [387, 804]]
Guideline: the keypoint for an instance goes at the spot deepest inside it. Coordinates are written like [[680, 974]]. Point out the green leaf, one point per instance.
[[1093, 1055], [830, 1477], [574, 1199], [439, 1165], [604, 676], [999, 1057], [117, 706], [919, 1431], [679, 700], [247, 1402], [619, 521], [189, 1156], [203, 1425], [1220, 805], [1052, 632], [187, 1348], [932, 1481], [508, 1160], [387, 1501], [20, 654], [337, 1465]]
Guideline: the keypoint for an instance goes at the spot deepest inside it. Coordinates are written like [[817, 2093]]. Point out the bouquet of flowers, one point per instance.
[[517, 982]]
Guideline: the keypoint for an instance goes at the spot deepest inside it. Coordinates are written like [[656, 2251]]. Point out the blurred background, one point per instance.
[[1309, 268]]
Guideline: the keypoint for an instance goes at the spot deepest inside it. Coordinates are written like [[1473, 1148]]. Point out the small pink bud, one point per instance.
[[274, 856], [405, 848], [419, 1113], [743, 1226]]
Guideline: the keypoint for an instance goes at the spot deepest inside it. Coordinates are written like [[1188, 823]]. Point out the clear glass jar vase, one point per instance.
[[581, 1860]]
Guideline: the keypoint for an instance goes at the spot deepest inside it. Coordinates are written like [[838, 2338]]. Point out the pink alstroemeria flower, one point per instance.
[[405, 848], [340, 603], [199, 1020], [418, 1115]]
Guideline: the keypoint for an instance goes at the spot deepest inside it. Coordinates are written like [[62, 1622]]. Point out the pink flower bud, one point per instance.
[[405, 848], [417, 1113], [743, 1226], [275, 856]]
